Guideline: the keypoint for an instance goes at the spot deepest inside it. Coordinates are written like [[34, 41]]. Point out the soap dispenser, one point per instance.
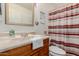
[[12, 32]]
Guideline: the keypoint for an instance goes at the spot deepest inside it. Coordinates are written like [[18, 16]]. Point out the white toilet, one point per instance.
[[56, 51]]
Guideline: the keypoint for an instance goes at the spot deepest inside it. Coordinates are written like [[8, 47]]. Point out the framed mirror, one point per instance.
[[19, 14]]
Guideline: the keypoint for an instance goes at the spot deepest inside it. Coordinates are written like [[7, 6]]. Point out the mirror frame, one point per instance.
[[7, 16]]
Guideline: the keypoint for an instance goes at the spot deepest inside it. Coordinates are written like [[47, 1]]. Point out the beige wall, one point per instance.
[[5, 28]]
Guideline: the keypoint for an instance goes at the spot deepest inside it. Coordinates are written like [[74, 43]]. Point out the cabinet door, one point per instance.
[[44, 51]]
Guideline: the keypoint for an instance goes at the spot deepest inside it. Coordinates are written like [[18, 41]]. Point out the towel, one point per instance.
[[37, 44]]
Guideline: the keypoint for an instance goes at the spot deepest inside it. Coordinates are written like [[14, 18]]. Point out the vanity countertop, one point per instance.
[[17, 42]]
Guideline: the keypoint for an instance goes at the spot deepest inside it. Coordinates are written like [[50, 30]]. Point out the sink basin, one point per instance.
[[19, 38], [35, 35], [8, 39]]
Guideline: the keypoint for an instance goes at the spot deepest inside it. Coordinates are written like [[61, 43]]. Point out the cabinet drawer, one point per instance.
[[20, 50]]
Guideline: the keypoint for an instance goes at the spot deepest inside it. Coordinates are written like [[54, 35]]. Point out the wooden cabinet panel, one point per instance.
[[20, 50], [45, 50], [36, 54], [46, 42]]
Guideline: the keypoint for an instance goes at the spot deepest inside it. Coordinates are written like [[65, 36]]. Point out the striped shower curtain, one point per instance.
[[64, 28]]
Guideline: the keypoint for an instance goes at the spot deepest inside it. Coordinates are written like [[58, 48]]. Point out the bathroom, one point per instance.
[[39, 29]]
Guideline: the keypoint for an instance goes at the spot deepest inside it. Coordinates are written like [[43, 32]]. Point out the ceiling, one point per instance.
[[48, 7], [53, 6], [26, 5]]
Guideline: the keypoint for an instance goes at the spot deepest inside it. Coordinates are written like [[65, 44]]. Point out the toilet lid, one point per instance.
[[57, 50]]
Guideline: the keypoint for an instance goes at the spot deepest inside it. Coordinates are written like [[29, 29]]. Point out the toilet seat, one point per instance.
[[56, 50]]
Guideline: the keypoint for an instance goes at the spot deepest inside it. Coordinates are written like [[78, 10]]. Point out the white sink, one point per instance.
[[8, 42]]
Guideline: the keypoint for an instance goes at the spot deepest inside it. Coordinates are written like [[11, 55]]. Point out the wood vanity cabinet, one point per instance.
[[27, 50]]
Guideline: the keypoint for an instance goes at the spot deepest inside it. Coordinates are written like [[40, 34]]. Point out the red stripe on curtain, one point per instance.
[[64, 26], [63, 33], [65, 43]]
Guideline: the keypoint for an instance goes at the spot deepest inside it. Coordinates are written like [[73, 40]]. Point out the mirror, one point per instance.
[[19, 14]]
